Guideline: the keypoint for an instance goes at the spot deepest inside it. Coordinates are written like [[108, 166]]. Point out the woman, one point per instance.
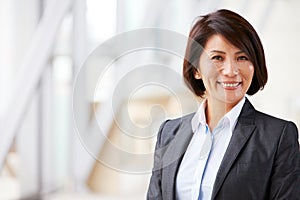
[[227, 149]]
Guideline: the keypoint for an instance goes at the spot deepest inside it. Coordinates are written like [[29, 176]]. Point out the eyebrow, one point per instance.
[[222, 52], [217, 51]]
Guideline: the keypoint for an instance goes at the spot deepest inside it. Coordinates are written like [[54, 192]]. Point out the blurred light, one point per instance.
[[101, 19], [6, 53]]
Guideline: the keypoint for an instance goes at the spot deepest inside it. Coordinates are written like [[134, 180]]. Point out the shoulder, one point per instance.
[[267, 118], [179, 121], [272, 121], [267, 127], [274, 127], [261, 119], [170, 127]]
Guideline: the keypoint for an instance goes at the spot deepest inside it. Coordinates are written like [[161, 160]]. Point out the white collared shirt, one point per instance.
[[201, 162]]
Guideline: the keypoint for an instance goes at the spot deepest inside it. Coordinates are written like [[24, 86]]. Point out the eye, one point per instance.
[[218, 58], [243, 58]]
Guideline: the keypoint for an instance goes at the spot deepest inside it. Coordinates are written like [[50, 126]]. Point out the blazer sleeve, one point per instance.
[[285, 179], [154, 189]]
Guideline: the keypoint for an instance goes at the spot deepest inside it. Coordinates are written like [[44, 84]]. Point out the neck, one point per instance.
[[215, 110]]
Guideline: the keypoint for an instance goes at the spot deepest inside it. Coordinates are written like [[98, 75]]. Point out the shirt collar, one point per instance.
[[232, 115], [199, 117]]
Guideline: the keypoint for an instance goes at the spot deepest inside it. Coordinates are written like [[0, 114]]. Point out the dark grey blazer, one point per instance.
[[262, 160]]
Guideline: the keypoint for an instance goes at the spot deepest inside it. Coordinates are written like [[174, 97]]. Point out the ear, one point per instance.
[[197, 75]]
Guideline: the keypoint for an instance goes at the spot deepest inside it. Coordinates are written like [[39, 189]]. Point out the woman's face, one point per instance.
[[226, 71]]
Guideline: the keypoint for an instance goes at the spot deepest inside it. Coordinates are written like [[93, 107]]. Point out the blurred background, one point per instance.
[[44, 43]]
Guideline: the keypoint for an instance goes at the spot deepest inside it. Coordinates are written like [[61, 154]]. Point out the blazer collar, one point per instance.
[[242, 132]]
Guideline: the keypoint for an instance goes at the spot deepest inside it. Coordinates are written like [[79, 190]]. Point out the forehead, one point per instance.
[[218, 42]]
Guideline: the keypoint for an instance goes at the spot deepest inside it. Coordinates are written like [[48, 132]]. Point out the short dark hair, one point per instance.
[[239, 32]]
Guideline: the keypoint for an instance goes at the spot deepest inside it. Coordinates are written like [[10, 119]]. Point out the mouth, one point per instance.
[[230, 85]]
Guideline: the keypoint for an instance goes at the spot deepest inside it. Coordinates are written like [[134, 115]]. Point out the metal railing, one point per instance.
[[31, 70]]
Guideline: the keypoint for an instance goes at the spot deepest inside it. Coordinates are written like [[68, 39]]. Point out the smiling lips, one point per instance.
[[230, 85]]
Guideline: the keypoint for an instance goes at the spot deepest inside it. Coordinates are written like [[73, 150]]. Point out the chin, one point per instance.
[[233, 100]]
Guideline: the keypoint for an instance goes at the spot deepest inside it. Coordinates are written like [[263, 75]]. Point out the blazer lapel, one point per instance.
[[174, 155], [242, 132]]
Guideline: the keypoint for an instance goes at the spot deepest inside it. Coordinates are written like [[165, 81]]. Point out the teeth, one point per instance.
[[230, 84]]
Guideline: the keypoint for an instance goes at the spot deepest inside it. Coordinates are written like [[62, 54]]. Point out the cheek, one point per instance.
[[248, 72], [251, 68], [251, 71], [208, 70]]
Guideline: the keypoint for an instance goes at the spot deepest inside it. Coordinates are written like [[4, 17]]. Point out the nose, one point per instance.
[[230, 68]]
